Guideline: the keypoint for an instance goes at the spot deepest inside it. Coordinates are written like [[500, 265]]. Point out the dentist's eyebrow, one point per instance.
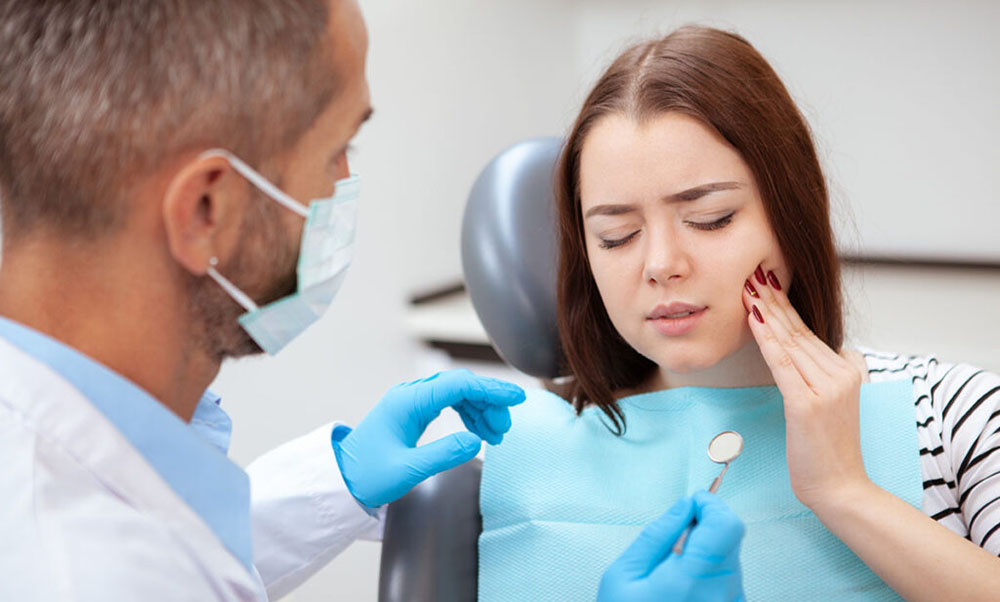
[[691, 194], [366, 116]]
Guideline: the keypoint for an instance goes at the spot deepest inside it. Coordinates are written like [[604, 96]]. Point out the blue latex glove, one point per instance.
[[708, 568], [379, 459]]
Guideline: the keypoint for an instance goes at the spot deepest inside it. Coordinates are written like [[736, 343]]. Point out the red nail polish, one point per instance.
[[759, 274], [756, 314], [750, 289], [774, 281]]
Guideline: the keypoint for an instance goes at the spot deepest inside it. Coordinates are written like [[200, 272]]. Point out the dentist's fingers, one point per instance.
[[498, 418], [473, 421], [443, 454], [719, 530], [654, 543], [490, 424], [450, 388]]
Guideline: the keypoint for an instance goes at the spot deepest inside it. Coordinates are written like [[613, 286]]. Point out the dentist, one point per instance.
[[140, 250], [175, 192]]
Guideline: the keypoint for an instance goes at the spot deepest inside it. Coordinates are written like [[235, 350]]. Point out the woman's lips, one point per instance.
[[674, 321]]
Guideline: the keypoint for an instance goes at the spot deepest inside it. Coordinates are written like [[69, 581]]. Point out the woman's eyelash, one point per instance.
[[611, 244], [719, 223]]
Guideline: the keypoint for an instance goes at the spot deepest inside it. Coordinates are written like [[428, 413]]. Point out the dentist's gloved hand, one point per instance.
[[708, 569], [379, 459]]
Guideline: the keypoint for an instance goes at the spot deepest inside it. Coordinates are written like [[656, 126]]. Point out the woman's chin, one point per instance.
[[692, 359], [687, 364]]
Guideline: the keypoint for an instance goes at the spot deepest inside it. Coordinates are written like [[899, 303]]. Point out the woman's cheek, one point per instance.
[[758, 251]]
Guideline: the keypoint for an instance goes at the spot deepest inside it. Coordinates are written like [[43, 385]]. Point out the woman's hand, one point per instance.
[[821, 391]]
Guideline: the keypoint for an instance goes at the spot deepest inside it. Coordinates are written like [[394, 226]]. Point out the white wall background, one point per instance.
[[901, 95]]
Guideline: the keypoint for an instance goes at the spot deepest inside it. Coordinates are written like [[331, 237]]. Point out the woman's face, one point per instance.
[[674, 225]]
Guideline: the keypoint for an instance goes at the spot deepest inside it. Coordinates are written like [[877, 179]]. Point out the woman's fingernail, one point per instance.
[[750, 289], [759, 274], [774, 281], [756, 314]]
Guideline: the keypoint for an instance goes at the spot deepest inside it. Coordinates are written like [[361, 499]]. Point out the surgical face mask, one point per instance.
[[324, 256]]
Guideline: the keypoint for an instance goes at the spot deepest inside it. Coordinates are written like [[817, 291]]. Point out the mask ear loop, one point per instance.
[[259, 181], [237, 295]]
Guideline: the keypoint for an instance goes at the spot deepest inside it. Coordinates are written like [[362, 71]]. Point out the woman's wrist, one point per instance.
[[842, 502]]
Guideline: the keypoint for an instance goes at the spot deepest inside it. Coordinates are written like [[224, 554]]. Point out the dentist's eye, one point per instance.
[[611, 244], [719, 223]]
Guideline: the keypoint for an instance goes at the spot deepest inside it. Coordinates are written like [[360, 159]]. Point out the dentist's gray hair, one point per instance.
[[97, 93]]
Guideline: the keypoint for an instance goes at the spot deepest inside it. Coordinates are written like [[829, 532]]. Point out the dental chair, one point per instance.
[[430, 542]]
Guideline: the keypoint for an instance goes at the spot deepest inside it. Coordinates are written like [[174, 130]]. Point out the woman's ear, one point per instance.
[[202, 209]]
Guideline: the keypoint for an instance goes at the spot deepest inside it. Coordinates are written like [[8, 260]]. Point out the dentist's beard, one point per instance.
[[263, 265]]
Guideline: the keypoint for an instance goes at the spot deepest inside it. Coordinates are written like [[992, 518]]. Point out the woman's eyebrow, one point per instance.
[[609, 210], [691, 194]]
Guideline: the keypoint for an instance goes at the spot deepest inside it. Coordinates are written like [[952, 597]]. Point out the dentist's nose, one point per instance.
[[343, 169], [666, 258]]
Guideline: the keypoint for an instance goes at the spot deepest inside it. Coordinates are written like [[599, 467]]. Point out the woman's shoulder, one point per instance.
[[541, 404], [953, 393], [929, 369], [889, 365]]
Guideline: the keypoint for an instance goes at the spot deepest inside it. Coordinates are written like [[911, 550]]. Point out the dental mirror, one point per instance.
[[722, 449]]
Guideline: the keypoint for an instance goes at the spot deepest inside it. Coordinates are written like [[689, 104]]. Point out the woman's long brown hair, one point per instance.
[[720, 79]]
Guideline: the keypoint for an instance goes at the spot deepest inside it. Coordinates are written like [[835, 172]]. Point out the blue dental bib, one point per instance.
[[562, 497]]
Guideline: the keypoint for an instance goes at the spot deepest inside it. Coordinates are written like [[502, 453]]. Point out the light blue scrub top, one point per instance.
[[191, 458]]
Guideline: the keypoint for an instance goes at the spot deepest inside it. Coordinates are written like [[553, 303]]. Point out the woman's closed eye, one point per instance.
[[722, 222], [611, 243]]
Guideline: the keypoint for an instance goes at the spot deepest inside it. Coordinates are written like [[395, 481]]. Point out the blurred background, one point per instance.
[[901, 97]]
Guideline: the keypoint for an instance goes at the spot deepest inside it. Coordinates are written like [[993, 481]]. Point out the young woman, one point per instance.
[[697, 273]]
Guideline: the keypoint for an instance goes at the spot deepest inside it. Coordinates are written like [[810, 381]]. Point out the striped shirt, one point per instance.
[[958, 427]]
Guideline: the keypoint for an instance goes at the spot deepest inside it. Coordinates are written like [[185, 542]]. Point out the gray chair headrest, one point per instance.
[[509, 255]]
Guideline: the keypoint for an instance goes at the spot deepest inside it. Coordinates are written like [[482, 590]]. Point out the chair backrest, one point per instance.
[[430, 546], [509, 255]]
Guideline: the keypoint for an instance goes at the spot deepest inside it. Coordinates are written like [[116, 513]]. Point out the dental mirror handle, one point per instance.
[[679, 546], [718, 480]]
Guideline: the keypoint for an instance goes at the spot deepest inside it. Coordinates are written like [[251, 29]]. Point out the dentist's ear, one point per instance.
[[202, 209]]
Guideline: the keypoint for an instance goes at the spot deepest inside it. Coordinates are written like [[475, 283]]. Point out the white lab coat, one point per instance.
[[84, 517]]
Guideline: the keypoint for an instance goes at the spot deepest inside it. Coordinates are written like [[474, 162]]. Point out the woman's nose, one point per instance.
[[666, 258]]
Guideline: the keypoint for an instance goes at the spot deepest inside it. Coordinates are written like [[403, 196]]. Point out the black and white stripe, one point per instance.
[[957, 409]]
